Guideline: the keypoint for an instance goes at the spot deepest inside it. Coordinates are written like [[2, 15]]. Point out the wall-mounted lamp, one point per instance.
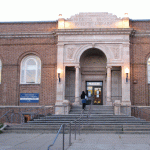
[[127, 72], [59, 71]]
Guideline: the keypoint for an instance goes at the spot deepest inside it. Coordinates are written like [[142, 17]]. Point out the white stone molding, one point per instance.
[[125, 85], [94, 31], [109, 102], [69, 52], [93, 20], [27, 35], [83, 48], [77, 85]]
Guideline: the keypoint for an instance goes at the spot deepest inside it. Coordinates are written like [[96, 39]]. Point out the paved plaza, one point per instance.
[[13, 141]]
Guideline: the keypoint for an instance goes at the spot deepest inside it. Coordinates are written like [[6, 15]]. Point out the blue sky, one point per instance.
[[48, 10]]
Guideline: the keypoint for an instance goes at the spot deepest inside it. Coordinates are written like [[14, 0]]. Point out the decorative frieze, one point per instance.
[[70, 52]]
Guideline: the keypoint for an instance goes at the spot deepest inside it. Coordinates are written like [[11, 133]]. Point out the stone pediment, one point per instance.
[[94, 20]]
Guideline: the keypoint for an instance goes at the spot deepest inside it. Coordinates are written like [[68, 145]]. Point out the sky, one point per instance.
[[48, 10]]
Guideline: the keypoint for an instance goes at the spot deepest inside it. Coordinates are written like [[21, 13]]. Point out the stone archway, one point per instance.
[[93, 64]]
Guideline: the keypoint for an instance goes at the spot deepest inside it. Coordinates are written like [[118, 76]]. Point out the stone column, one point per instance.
[[77, 86], [60, 85], [109, 102]]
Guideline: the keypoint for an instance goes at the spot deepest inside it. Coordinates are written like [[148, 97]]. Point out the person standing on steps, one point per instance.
[[83, 100]]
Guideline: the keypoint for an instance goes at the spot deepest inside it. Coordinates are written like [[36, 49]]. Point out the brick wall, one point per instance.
[[140, 25], [139, 53], [28, 27], [14, 49]]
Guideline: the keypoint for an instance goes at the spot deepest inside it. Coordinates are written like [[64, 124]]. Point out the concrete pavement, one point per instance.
[[13, 141]]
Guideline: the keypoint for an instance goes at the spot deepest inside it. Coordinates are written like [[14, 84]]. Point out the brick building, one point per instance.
[[99, 53]]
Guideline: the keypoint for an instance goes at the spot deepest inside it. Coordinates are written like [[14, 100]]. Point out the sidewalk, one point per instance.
[[112, 142], [13, 141]]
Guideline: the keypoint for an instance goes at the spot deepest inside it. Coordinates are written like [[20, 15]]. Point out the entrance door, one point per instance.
[[97, 91]]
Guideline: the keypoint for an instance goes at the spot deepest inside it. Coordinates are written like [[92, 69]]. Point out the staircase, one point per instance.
[[101, 120]]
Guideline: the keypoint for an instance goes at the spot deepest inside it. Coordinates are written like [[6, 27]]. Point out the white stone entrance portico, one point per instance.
[[100, 32]]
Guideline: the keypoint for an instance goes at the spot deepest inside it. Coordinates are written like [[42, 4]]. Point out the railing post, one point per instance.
[[75, 130], [12, 118], [70, 135], [79, 126], [64, 110], [63, 136]]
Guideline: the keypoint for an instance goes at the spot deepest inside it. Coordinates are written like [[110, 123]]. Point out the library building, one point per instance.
[[50, 63]]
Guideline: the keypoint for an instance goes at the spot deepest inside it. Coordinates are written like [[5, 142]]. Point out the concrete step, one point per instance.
[[91, 123], [121, 129], [89, 119], [85, 115], [101, 120]]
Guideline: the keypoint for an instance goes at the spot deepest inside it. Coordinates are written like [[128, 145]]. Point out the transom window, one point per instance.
[[0, 71], [30, 70], [148, 70]]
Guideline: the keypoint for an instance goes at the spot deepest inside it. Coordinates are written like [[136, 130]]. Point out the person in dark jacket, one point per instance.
[[83, 100]]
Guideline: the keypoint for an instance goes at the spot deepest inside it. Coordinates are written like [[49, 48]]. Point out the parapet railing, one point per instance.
[[77, 123], [16, 114], [142, 112]]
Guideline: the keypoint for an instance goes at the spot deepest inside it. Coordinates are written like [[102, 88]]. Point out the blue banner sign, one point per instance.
[[29, 97]]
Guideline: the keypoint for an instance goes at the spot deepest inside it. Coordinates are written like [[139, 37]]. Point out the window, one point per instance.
[[30, 70], [0, 71], [148, 70]]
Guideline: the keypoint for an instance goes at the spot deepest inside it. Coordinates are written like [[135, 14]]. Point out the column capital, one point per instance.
[[109, 67], [77, 66]]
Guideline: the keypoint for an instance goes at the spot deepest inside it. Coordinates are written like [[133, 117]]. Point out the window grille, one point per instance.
[[148, 70], [0, 71], [30, 70]]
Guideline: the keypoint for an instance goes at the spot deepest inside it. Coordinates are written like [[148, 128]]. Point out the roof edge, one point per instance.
[[28, 22], [144, 20]]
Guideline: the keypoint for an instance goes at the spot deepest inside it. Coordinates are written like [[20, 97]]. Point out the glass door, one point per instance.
[[97, 91], [94, 89]]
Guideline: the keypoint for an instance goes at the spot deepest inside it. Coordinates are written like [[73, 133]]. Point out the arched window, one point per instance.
[[30, 70], [148, 70], [0, 71]]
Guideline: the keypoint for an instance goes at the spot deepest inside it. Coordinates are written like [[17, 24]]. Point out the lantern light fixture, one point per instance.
[[59, 71], [127, 72]]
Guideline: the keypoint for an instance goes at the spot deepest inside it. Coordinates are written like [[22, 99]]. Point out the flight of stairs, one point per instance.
[[100, 120]]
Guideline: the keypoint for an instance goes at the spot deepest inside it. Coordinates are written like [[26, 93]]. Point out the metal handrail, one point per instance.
[[139, 110], [55, 137], [21, 112], [71, 122], [62, 125], [5, 114]]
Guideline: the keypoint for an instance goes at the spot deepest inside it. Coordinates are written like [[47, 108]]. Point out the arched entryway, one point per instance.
[[93, 75]]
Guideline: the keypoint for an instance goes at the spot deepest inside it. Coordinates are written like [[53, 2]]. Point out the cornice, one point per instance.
[[27, 35], [95, 31], [142, 33]]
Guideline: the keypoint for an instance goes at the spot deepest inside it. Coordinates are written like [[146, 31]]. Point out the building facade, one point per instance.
[[51, 63]]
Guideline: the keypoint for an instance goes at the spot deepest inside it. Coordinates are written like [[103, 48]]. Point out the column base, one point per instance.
[[76, 104], [108, 103], [126, 108], [62, 108]]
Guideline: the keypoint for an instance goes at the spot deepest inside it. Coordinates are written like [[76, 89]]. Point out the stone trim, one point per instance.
[[141, 33], [27, 35], [99, 31]]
